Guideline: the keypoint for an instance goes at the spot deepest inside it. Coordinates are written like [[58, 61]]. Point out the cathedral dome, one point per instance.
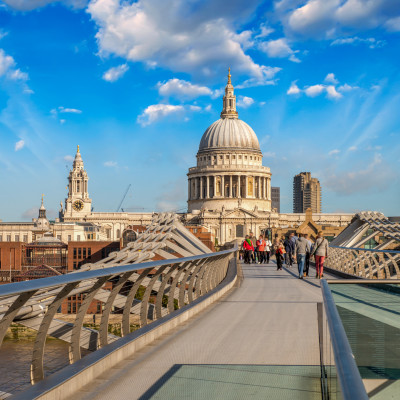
[[229, 133]]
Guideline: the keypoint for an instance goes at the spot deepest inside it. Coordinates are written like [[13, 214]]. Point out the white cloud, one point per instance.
[[69, 158], [376, 176], [334, 152], [183, 89], [63, 121], [269, 154], [69, 110], [19, 145], [264, 31], [267, 78], [27, 5], [332, 93], [353, 148], [7, 68], [371, 42], [110, 164], [330, 78], [279, 49], [198, 40], [294, 89], [393, 24], [115, 73], [157, 111], [346, 88], [244, 101], [315, 90], [331, 18]]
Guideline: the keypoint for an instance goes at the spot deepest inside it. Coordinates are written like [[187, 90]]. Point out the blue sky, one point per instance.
[[136, 84]]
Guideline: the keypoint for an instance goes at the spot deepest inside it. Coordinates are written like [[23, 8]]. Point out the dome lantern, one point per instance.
[[229, 100]]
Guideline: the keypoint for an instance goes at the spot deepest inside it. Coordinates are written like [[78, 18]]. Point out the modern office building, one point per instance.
[[276, 198], [306, 193]]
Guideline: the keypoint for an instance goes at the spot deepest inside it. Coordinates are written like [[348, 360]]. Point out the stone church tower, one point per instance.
[[77, 204], [229, 172]]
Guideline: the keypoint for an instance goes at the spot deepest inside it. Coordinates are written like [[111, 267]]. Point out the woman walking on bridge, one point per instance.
[[320, 251]]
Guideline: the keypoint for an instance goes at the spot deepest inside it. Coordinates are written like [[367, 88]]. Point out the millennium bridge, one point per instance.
[[197, 324]]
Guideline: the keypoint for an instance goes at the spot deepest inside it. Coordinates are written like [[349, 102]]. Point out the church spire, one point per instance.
[[229, 100]]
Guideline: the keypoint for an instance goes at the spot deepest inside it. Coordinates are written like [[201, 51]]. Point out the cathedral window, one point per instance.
[[8, 238], [78, 187], [26, 238], [1, 238], [17, 238]]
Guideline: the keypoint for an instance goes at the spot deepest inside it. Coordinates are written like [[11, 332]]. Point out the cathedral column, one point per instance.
[[215, 186], [201, 187], [223, 185], [246, 186], [265, 188], [269, 189], [189, 189], [259, 187], [208, 187], [230, 186], [195, 188]]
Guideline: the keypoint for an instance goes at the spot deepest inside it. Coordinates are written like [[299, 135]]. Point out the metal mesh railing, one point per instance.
[[365, 263], [128, 297]]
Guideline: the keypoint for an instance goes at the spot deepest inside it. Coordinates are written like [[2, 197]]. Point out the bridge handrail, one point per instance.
[[367, 250], [141, 293], [350, 381], [17, 288]]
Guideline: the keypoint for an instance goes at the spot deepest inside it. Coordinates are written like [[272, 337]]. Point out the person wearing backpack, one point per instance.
[[248, 249], [280, 252], [320, 251]]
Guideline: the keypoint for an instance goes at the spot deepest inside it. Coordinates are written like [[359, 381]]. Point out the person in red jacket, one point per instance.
[[248, 249]]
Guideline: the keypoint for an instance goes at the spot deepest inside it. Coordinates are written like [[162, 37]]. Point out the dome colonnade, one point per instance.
[[229, 172]]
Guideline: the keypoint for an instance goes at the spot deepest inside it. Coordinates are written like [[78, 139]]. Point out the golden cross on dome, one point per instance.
[[78, 149], [42, 197], [229, 75]]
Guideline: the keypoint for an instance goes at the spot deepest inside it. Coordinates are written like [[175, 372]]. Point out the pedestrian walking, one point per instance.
[[301, 248], [248, 249], [279, 253], [254, 244], [321, 252], [289, 249], [268, 246], [308, 255], [261, 249]]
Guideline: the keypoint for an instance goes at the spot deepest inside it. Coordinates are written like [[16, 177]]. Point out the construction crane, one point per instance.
[[123, 197]]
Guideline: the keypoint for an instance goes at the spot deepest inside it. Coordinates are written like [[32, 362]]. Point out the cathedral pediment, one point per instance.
[[240, 213]]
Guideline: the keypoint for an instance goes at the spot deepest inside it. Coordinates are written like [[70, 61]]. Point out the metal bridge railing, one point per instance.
[[137, 293], [365, 263], [361, 331], [340, 376]]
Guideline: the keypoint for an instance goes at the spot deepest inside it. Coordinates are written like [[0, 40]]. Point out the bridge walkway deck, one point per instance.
[[260, 341]]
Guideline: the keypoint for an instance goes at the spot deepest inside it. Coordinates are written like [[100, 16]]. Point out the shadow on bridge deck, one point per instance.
[[259, 342]]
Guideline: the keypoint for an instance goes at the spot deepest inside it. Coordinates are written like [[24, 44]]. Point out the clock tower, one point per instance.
[[78, 204]]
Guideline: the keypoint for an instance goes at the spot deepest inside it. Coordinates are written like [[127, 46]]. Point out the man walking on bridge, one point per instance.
[[301, 249]]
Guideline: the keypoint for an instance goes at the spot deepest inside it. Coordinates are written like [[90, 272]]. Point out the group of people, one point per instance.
[[288, 250], [256, 250]]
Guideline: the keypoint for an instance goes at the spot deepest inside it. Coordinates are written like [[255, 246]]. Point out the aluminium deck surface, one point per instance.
[[259, 342]]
